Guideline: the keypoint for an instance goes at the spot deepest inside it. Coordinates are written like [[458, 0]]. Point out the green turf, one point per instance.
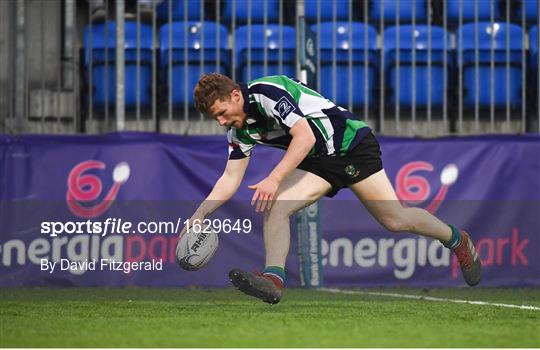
[[140, 317]]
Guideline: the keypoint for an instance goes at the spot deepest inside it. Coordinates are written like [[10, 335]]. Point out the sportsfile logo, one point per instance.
[[83, 189], [414, 189]]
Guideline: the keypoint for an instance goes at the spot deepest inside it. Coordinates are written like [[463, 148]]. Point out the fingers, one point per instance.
[[255, 196], [259, 199], [267, 203], [259, 202], [270, 201], [264, 201]]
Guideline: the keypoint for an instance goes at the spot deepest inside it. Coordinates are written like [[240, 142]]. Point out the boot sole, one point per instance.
[[243, 284]]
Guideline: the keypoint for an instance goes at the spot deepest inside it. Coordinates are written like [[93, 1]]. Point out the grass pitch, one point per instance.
[[141, 317]]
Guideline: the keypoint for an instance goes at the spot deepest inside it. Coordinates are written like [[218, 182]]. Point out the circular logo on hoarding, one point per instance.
[[84, 189], [415, 189]]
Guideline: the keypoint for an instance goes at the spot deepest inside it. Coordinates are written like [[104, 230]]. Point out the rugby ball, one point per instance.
[[195, 248]]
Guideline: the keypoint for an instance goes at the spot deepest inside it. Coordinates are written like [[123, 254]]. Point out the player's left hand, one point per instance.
[[265, 192]]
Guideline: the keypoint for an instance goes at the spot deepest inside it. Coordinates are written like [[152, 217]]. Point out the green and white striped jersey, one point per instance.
[[274, 104]]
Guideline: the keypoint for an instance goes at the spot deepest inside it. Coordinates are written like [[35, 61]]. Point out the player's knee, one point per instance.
[[279, 210]]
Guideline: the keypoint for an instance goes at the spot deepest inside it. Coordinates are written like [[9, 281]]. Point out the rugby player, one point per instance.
[[327, 149]]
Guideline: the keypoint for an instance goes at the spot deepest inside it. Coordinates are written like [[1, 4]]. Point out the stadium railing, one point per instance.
[[456, 67]]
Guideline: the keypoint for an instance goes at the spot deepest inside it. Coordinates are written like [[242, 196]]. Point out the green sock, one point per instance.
[[455, 240]]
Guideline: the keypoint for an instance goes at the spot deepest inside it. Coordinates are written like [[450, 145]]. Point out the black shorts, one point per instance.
[[342, 171]]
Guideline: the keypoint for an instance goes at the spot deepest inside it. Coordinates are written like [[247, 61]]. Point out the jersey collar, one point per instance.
[[245, 94]]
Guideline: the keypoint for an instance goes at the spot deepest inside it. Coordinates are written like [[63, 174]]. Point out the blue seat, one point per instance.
[[103, 52], [195, 32], [418, 38], [468, 10], [533, 45], [272, 35], [531, 11], [327, 10], [390, 10], [257, 10], [487, 31], [177, 10], [342, 77]]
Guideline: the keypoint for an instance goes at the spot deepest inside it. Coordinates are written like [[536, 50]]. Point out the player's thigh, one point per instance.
[[300, 189], [377, 195]]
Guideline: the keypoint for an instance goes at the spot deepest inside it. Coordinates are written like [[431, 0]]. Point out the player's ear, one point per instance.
[[235, 95]]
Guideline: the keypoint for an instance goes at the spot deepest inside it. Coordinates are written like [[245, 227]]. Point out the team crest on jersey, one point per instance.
[[351, 171], [284, 107]]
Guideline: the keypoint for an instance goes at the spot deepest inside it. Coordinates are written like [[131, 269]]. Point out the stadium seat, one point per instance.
[[390, 10], [193, 10], [483, 10], [533, 45], [258, 34], [487, 32], [418, 38], [104, 68], [341, 79], [193, 47], [257, 10], [327, 10], [531, 11]]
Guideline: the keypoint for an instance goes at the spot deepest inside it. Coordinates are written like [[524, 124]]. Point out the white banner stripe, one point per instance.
[[421, 297]]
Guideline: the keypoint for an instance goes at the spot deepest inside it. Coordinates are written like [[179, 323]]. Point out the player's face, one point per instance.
[[229, 112]]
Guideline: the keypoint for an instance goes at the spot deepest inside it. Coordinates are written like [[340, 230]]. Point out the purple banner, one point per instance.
[[487, 185]]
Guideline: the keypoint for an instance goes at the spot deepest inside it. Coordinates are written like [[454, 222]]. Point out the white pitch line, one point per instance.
[[420, 297]]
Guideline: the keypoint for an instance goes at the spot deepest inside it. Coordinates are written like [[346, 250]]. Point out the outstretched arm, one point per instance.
[[223, 190]]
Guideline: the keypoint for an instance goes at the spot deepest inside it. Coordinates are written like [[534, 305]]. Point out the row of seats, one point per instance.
[[398, 50], [389, 10]]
